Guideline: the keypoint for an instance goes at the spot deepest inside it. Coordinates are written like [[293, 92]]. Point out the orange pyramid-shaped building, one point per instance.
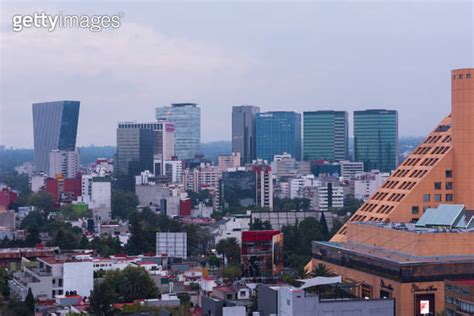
[[439, 171]]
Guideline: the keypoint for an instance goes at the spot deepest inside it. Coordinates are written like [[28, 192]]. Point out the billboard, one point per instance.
[[277, 253]]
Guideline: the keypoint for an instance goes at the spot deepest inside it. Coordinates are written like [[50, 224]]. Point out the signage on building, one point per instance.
[[424, 307]]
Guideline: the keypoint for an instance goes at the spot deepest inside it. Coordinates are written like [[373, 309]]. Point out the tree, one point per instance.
[[130, 284], [33, 219], [232, 271], [197, 239], [32, 238], [4, 289], [298, 240], [44, 201], [123, 203], [30, 301], [259, 225], [351, 205], [324, 225], [321, 270], [214, 261], [101, 300], [105, 246], [230, 249]]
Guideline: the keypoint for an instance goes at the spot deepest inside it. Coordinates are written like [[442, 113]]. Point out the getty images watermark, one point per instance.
[[51, 22]]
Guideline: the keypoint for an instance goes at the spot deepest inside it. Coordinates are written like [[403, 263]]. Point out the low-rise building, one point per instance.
[[459, 297], [408, 262], [51, 276]]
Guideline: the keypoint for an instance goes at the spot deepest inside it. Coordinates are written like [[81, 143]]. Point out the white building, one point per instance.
[[229, 161], [350, 168], [53, 276], [64, 162], [295, 187], [330, 196], [37, 182], [101, 193], [207, 177], [86, 188], [173, 245], [232, 228], [264, 185], [175, 169], [366, 183]]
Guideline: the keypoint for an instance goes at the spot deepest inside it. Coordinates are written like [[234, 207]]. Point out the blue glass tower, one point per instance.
[[54, 127], [278, 132]]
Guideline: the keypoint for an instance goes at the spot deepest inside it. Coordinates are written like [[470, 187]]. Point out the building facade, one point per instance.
[[65, 163], [437, 171], [135, 148], [243, 132], [376, 139], [186, 118], [325, 135], [278, 133], [54, 127]]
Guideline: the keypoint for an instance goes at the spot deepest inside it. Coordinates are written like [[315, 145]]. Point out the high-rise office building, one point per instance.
[[277, 133], [376, 139], [325, 135], [439, 171], [243, 132], [54, 127], [135, 147], [163, 140], [186, 118]]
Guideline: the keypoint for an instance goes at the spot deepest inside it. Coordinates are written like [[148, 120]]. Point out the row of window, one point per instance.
[[461, 76], [433, 139], [429, 162]]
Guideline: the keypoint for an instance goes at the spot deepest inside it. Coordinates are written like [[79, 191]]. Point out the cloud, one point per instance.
[[116, 74]]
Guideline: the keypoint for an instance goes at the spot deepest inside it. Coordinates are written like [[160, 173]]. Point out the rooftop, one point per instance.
[[452, 216], [393, 256]]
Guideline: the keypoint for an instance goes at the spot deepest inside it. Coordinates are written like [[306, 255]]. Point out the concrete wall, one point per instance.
[[78, 276]]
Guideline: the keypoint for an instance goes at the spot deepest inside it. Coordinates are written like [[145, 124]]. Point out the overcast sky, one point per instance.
[[279, 56]]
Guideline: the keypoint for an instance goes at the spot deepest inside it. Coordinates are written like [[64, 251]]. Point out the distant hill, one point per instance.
[[213, 149], [9, 158]]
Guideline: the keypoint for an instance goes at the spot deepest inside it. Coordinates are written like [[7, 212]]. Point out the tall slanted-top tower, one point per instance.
[[439, 171], [462, 98]]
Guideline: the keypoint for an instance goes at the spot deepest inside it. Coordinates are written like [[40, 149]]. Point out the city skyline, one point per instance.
[[390, 66]]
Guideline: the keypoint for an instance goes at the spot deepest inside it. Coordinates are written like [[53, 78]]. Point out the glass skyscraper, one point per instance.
[[243, 131], [376, 139], [276, 133], [54, 128], [325, 135], [135, 147], [186, 118]]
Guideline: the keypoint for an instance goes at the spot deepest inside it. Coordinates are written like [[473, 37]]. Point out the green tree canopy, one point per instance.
[[123, 203]]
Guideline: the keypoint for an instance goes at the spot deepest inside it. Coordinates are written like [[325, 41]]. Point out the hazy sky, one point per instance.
[[277, 55]]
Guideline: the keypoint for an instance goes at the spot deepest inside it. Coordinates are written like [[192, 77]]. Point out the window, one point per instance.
[[437, 185], [468, 76], [426, 197], [449, 173], [366, 291], [415, 209], [438, 197], [449, 197], [449, 185]]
